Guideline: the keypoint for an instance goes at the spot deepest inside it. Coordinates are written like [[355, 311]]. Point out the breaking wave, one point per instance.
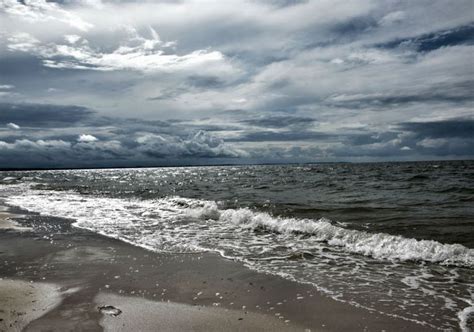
[[377, 245], [115, 217]]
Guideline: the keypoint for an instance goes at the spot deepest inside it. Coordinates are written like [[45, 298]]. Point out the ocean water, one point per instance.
[[395, 238]]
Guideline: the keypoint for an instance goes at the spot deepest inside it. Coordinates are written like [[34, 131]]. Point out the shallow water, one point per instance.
[[396, 238]]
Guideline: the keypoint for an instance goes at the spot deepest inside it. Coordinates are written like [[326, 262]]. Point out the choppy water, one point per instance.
[[396, 238]]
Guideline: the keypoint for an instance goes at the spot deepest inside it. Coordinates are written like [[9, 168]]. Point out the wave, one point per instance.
[[175, 214], [376, 245], [466, 317]]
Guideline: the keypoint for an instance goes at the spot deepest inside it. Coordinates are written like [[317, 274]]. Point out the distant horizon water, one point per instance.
[[6, 169]]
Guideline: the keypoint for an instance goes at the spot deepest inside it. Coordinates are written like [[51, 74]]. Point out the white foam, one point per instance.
[[377, 245], [466, 318], [411, 282], [110, 216]]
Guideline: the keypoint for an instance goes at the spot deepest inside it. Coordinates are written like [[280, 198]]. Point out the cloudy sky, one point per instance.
[[127, 83]]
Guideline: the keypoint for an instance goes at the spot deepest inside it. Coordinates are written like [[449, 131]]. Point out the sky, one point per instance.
[[109, 83]]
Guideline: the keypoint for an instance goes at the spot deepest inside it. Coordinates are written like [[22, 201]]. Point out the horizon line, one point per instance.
[[19, 169]]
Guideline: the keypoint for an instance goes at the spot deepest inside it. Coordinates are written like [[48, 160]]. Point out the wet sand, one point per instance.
[[6, 221], [22, 302], [155, 291]]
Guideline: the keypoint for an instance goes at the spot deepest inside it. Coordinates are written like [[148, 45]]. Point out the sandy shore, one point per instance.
[[144, 315], [82, 272], [6, 221], [22, 302]]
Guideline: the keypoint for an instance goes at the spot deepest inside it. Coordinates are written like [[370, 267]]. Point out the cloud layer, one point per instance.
[[162, 82], [59, 140]]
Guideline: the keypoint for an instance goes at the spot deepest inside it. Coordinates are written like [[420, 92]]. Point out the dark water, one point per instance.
[[351, 230]]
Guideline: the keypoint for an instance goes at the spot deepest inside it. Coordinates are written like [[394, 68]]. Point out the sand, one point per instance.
[[145, 315], [7, 223], [159, 291], [22, 302]]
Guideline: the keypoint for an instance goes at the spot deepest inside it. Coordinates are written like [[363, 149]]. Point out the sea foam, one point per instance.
[[110, 215], [377, 245]]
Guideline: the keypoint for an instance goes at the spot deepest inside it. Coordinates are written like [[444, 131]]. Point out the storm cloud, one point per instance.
[[462, 35], [462, 128], [70, 136], [127, 83], [42, 115]]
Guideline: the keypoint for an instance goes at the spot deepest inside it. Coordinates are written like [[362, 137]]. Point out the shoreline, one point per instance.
[[6, 222], [90, 270]]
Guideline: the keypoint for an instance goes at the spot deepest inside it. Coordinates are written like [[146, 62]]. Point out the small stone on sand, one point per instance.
[[110, 310]]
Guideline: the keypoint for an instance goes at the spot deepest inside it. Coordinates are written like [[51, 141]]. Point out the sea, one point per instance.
[[394, 238]]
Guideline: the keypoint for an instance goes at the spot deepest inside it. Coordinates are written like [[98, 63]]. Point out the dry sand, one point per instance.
[[144, 315]]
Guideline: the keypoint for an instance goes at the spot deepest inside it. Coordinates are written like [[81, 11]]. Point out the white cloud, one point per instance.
[[134, 53], [72, 39], [201, 144], [432, 143], [24, 145], [6, 90], [86, 138], [13, 126], [22, 41], [393, 18], [39, 11]]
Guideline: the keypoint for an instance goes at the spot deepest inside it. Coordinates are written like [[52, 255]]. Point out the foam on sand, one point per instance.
[[466, 318], [23, 302], [7, 223], [138, 314]]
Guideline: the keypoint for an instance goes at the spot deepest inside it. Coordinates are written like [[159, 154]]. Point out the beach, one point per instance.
[[71, 279], [259, 165]]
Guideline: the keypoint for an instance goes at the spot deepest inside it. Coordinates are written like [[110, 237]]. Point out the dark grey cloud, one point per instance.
[[72, 136], [283, 3], [43, 115], [364, 139], [192, 82], [453, 137], [201, 81], [354, 26], [209, 127], [280, 121], [257, 58], [284, 136], [457, 92], [170, 93], [21, 65], [462, 128], [462, 35]]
